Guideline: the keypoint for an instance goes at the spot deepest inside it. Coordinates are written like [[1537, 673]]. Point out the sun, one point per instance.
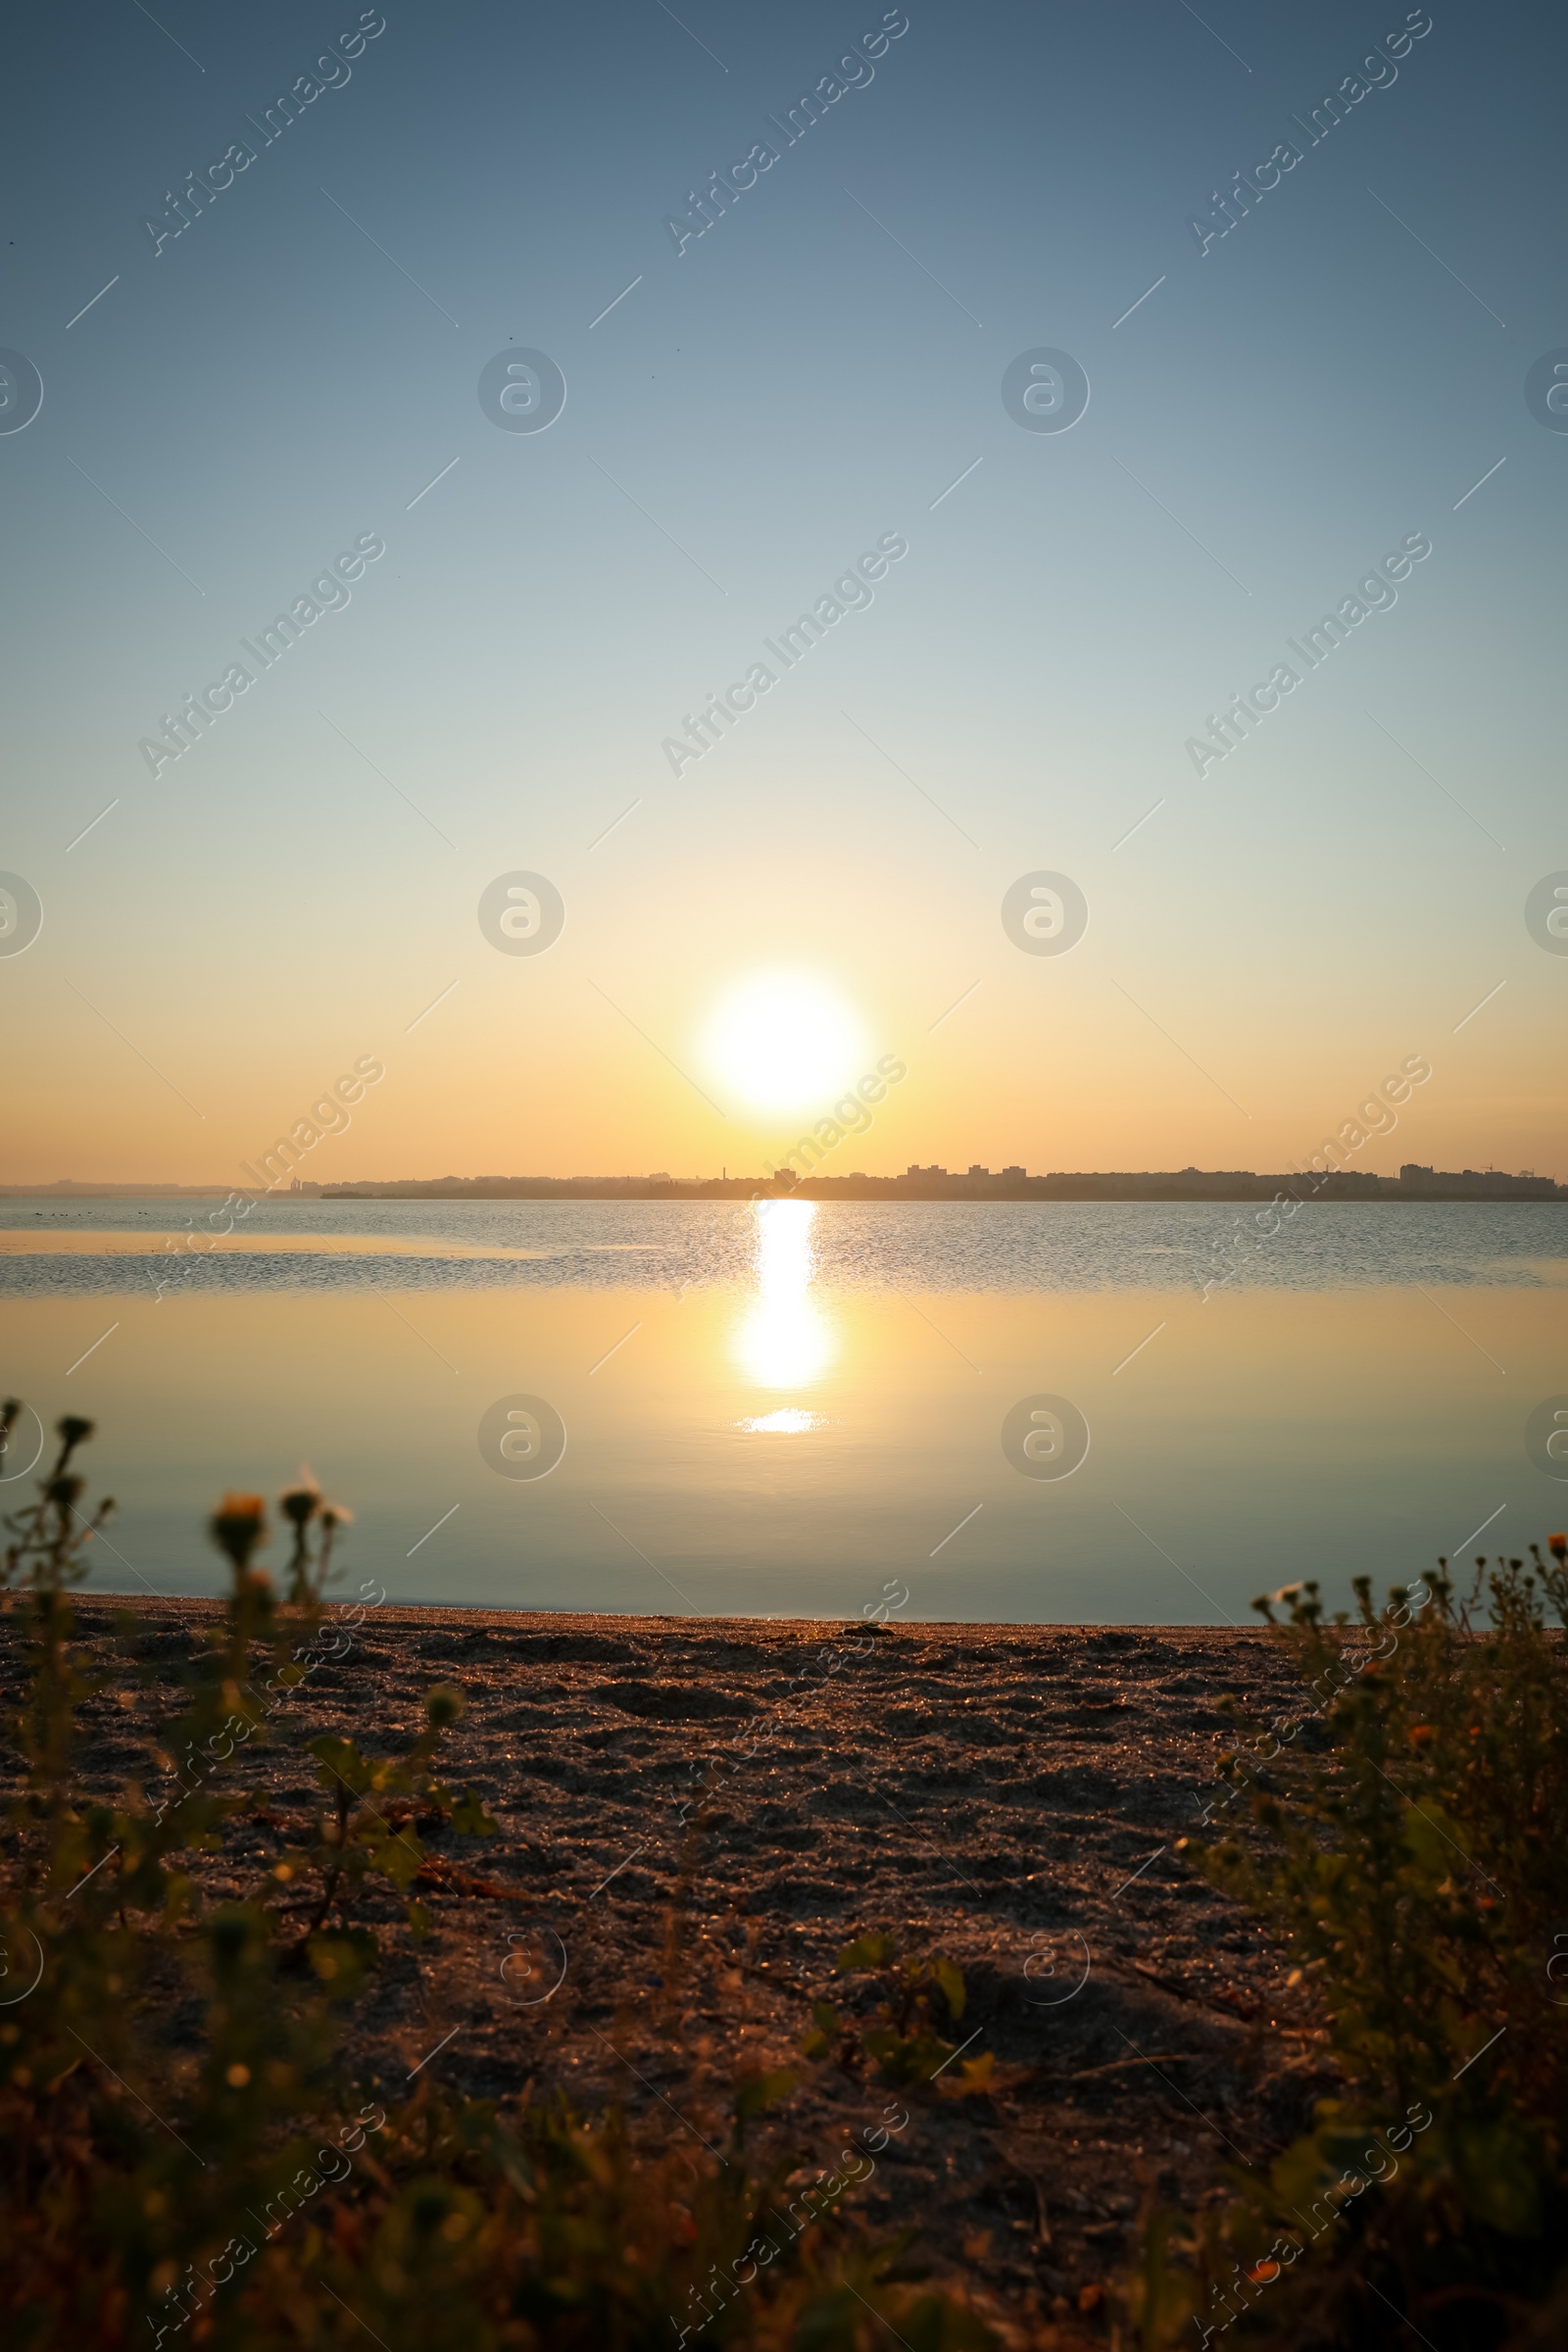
[[784, 1042]]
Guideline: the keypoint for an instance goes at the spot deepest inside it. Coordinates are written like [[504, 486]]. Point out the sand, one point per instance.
[[1008, 1797]]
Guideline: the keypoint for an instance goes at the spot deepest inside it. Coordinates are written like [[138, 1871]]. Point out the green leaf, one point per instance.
[[342, 1764], [1432, 1838], [826, 2019], [469, 1817], [399, 1858], [950, 1978], [905, 2058], [340, 1959], [867, 1952], [755, 2093]]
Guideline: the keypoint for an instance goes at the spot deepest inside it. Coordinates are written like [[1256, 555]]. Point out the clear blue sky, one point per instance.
[[812, 374]]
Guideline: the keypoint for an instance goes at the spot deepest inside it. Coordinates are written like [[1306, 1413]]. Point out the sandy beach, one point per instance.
[[698, 1814]]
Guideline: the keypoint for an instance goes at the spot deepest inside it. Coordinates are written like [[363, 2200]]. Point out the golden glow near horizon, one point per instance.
[[783, 1042], [784, 1341]]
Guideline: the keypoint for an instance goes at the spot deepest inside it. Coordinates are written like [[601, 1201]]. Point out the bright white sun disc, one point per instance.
[[782, 1041]]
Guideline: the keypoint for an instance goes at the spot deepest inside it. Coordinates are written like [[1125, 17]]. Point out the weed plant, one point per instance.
[[1408, 1846], [186, 2154]]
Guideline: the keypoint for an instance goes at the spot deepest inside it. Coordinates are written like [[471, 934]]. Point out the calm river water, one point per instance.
[[1021, 1412]]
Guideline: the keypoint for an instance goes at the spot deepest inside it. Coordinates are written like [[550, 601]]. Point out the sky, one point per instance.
[[752, 405]]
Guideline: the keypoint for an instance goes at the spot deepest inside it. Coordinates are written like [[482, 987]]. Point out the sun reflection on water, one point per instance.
[[784, 1341]]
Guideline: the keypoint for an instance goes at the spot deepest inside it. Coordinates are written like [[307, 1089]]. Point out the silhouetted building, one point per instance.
[[1478, 1184]]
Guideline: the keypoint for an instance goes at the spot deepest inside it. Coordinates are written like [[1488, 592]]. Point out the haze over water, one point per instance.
[[774, 1410]]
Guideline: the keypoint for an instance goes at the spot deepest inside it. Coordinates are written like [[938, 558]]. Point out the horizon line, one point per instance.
[[290, 1186]]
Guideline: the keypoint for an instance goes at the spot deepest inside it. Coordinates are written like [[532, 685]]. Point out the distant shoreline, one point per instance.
[[1472, 1185], [1110, 1188]]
